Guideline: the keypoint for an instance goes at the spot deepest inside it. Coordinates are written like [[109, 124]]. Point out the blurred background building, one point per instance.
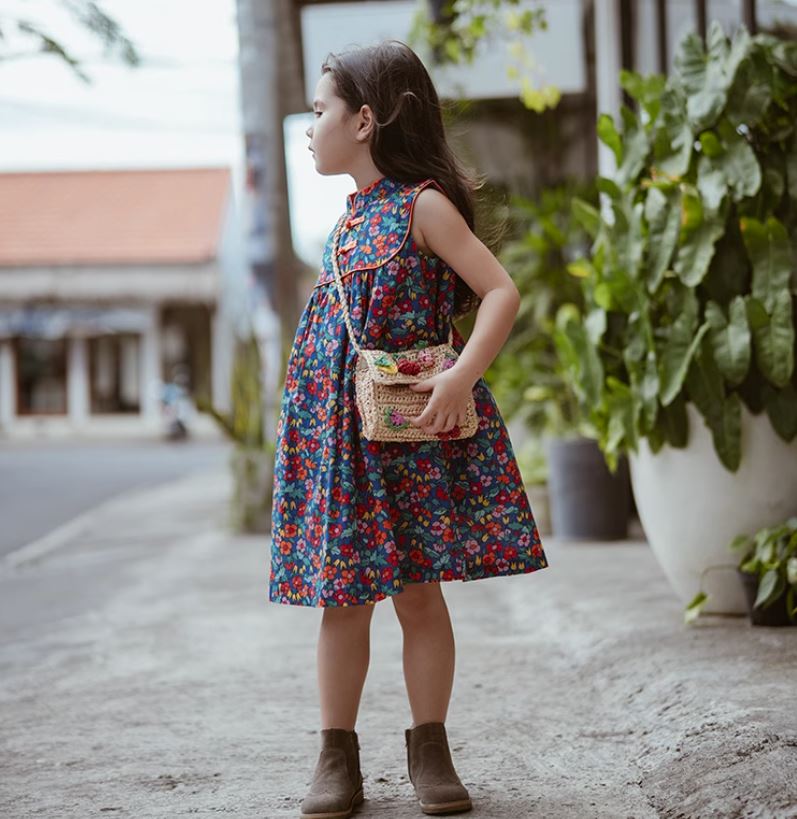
[[111, 284]]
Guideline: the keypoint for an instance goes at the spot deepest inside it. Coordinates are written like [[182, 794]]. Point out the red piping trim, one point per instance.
[[403, 241]]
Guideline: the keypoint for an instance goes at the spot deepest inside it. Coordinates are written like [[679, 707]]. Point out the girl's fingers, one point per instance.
[[423, 416], [438, 421], [426, 418], [443, 424]]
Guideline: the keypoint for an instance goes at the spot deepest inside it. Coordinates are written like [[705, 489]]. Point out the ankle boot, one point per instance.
[[337, 786], [431, 770]]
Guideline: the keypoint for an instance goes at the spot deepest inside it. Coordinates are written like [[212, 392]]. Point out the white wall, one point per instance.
[[558, 51]]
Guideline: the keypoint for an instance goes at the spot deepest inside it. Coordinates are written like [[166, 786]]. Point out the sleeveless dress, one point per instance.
[[354, 520]]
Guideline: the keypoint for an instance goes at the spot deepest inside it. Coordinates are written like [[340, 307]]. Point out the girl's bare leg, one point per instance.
[[428, 650], [343, 655]]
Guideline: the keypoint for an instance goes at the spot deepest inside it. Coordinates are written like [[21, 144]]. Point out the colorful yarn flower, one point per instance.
[[408, 367], [394, 419], [386, 364]]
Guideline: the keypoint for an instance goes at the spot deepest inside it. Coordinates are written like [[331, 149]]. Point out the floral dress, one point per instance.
[[354, 520]]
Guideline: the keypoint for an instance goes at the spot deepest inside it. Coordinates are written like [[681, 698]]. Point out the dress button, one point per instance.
[[348, 246]]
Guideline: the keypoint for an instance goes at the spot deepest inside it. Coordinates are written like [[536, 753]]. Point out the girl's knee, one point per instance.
[[419, 601]]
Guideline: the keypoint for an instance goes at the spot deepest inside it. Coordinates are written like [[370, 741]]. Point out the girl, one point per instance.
[[355, 521]]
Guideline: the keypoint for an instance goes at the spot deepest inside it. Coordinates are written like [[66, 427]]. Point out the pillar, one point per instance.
[[8, 383], [77, 381], [151, 374]]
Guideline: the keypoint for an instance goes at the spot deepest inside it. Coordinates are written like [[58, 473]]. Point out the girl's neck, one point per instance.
[[365, 176]]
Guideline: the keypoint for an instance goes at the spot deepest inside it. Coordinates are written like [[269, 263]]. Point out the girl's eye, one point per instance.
[[317, 113]]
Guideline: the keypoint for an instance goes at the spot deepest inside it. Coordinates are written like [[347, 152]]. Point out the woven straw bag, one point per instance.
[[382, 379]]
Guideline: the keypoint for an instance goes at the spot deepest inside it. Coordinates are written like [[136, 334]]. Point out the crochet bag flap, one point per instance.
[[408, 366]]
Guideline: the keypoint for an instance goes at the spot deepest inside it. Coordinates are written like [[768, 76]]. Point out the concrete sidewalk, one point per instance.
[[143, 673]]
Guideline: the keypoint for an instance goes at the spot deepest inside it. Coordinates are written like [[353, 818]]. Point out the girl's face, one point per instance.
[[336, 136]]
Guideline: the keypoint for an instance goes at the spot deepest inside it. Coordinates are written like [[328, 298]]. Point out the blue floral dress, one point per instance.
[[354, 520]]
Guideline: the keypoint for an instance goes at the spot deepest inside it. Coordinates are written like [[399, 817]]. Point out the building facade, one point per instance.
[[113, 284]]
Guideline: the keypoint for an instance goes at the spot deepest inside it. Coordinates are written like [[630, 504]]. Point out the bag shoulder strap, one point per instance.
[[342, 293]]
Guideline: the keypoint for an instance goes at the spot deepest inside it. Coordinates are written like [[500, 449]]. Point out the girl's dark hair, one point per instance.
[[408, 142]]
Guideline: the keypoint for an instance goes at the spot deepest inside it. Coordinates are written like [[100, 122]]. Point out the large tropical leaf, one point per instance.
[[730, 339], [695, 254], [708, 73], [768, 248], [773, 337], [722, 413], [676, 355], [781, 406], [663, 215]]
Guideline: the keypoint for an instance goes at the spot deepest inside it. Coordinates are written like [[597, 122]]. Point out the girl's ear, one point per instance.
[[365, 125]]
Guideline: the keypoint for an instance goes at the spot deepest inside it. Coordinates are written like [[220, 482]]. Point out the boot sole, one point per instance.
[[436, 808], [357, 799]]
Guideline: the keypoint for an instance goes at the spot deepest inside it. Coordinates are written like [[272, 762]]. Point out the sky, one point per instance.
[[180, 108]]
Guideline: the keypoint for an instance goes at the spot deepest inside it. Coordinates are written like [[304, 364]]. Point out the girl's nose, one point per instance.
[[308, 132]]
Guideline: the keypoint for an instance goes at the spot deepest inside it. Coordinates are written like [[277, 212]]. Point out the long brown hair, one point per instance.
[[408, 142]]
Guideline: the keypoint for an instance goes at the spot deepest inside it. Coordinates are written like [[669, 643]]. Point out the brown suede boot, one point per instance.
[[431, 770], [337, 786]]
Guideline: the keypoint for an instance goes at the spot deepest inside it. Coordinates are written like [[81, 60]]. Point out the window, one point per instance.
[[41, 376]]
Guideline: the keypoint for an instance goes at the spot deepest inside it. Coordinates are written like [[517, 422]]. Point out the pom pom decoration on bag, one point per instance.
[[381, 382]]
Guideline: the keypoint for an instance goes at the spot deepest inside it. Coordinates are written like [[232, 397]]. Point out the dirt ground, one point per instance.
[[143, 673]]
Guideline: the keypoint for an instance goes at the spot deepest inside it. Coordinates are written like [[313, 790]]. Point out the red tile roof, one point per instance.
[[111, 217]]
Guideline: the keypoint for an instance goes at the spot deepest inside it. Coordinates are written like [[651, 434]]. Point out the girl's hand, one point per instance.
[[448, 402]]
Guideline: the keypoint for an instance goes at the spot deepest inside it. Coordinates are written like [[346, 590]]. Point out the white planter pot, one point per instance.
[[691, 506]]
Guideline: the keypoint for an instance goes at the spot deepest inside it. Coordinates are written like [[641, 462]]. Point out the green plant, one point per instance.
[[454, 31], [532, 462], [690, 290], [244, 424], [771, 554], [526, 377]]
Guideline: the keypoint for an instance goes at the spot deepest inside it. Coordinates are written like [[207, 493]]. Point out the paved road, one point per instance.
[[44, 484], [144, 674]]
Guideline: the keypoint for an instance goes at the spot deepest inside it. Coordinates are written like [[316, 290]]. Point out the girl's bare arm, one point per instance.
[[438, 227]]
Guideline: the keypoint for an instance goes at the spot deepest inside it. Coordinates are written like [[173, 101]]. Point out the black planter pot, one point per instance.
[[587, 501], [776, 614]]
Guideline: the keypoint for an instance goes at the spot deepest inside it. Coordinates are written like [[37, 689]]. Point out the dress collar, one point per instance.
[[378, 189]]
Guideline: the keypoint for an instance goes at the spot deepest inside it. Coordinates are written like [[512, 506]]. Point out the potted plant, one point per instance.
[[252, 457], [767, 568], [683, 351], [585, 500]]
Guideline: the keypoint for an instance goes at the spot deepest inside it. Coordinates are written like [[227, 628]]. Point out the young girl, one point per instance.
[[357, 520]]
